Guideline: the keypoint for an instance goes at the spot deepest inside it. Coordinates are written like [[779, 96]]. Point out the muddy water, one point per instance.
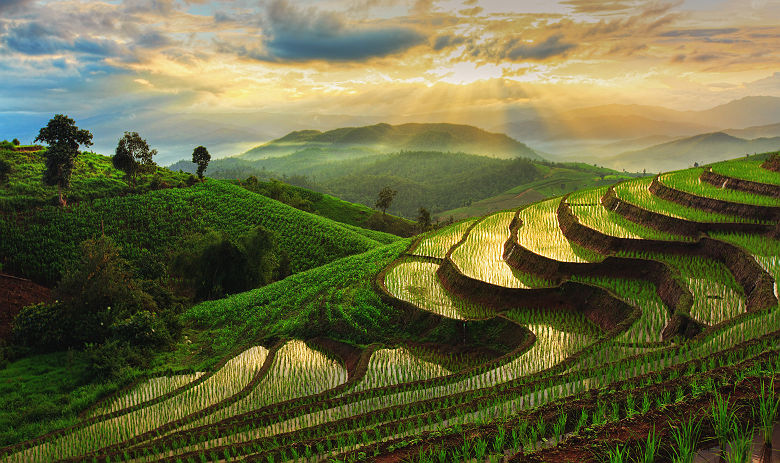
[[759, 455]]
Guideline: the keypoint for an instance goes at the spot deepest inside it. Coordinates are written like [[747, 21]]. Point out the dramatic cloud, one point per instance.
[[552, 46], [303, 35], [478, 61]]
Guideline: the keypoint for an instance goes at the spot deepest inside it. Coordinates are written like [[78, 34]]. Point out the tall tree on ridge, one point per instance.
[[63, 138]]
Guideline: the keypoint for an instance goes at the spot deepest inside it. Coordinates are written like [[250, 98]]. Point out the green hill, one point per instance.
[[38, 242], [93, 177], [435, 180], [385, 138]]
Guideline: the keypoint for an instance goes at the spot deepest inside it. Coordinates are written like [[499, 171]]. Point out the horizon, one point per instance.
[[232, 75]]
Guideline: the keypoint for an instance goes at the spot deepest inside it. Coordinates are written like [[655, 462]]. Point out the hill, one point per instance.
[[93, 177], [422, 179], [385, 138], [555, 181], [152, 223], [685, 152]]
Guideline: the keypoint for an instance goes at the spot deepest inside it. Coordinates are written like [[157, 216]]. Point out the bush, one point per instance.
[[41, 327], [213, 265], [6, 145], [5, 170], [16, 142], [142, 329]]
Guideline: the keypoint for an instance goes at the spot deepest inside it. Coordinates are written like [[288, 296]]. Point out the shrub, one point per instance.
[[214, 265], [40, 327]]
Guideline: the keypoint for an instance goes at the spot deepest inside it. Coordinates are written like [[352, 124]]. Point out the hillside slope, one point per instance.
[[435, 180], [38, 243]]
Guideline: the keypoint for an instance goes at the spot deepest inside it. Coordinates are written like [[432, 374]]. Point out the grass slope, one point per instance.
[[556, 180], [37, 244], [93, 177]]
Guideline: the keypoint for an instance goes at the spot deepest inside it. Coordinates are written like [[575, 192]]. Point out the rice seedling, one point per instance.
[[437, 243], [689, 182], [541, 234], [480, 256], [685, 437], [649, 451], [723, 419], [739, 444], [747, 170], [637, 192], [766, 410]]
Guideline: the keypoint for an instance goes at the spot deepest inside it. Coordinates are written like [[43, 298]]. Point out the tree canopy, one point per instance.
[[385, 198], [201, 157], [133, 156], [64, 139]]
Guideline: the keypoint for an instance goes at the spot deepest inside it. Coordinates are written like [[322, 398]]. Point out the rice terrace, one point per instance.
[[404, 231]]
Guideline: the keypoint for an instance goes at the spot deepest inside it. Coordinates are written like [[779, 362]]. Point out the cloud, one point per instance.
[[12, 6], [552, 46], [699, 32], [598, 6], [293, 34], [35, 39], [443, 41]]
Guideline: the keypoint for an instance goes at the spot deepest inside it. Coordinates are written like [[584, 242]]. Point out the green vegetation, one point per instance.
[[688, 181], [155, 224], [384, 228], [747, 170], [374, 349], [93, 177], [335, 300], [422, 178]]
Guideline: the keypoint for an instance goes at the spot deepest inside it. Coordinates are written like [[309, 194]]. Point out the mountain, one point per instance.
[[763, 131], [616, 126], [679, 154], [385, 138], [622, 121]]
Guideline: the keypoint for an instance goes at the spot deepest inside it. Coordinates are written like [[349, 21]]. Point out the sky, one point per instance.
[[190, 72]]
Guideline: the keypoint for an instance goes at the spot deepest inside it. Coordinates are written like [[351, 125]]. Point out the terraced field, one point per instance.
[[624, 314]]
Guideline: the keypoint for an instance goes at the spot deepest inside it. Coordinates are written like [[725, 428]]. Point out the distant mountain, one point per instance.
[[352, 142], [620, 121], [682, 153], [602, 127], [763, 131]]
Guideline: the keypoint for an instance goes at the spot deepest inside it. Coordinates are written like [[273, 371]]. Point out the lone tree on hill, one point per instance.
[[63, 138], [385, 198], [133, 156], [423, 219], [201, 157], [16, 142]]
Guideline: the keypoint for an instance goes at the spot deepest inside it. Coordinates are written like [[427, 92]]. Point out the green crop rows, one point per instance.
[[569, 365]]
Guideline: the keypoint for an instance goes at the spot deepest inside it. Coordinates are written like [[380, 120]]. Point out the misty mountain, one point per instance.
[[763, 131], [620, 121], [679, 154], [355, 142]]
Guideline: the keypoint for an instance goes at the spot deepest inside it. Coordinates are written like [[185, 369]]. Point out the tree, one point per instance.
[[423, 219], [385, 198], [16, 142], [63, 138], [5, 170], [201, 157], [133, 156]]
